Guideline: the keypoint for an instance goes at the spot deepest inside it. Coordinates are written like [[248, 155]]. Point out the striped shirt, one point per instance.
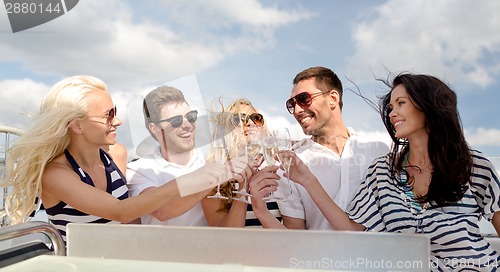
[[253, 221], [62, 214], [456, 240]]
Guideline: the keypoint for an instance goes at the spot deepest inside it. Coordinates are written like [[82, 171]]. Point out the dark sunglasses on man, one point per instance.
[[256, 118], [304, 99], [176, 121]]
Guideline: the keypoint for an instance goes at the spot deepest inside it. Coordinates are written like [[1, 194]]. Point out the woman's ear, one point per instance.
[[76, 127]]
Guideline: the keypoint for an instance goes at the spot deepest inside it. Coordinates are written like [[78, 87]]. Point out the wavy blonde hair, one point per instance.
[[45, 138], [234, 146]]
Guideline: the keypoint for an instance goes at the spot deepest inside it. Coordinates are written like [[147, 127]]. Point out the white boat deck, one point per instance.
[[108, 248], [98, 247]]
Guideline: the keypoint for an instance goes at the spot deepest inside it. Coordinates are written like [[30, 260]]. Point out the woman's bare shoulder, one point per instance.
[[58, 166], [117, 151]]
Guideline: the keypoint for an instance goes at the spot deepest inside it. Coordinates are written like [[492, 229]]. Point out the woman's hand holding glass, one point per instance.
[[262, 184]]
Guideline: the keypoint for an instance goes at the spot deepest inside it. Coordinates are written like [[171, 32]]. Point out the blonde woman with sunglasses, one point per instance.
[[242, 119], [59, 159]]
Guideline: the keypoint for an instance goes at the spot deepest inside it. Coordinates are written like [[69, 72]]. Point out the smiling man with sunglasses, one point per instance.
[[172, 123], [335, 154]]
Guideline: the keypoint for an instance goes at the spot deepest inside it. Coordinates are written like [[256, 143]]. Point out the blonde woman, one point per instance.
[[60, 158], [241, 118]]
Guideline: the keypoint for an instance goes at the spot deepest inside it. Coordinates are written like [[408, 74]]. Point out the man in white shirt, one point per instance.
[[335, 154], [171, 122]]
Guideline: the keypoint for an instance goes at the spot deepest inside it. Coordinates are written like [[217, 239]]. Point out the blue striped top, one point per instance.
[[253, 221], [456, 241], [62, 214]]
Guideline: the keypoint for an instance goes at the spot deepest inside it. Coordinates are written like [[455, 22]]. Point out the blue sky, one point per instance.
[[253, 49]]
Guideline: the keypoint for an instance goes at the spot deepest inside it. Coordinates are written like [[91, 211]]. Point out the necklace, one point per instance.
[[409, 198]]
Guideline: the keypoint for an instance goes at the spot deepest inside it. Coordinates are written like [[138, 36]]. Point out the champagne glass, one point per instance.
[[253, 151], [270, 149], [220, 150], [270, 154], [254, 145], [284, 143]]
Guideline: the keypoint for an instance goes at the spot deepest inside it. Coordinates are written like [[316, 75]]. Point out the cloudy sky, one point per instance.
[[253, 49]]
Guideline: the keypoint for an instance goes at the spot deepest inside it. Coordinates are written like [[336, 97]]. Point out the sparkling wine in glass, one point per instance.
[[253, 151], [284, 159], [270, 154]]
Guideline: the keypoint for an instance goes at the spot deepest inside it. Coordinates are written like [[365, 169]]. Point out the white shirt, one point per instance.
[[340, 176], [154, 171]]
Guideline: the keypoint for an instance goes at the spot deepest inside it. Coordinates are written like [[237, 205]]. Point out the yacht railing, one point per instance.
[[19, 230], [7, 137]]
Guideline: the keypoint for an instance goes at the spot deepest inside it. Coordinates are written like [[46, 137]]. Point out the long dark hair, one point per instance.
[[448, 151]]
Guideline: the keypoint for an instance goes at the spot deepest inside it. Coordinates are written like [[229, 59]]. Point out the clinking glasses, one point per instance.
[[256, 118], [304, 99], [110, 116], [176, 121]]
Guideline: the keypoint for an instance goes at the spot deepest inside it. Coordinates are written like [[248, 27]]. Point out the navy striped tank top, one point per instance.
[[253, 221], [62, 214]]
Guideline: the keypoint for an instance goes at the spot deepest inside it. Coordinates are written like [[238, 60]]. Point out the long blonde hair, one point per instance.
[[45, 138], [225, 118]]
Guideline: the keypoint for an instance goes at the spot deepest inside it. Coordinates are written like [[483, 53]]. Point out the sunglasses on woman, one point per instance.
[[176, 121], [110, 117], [304, 99], [256, 118]]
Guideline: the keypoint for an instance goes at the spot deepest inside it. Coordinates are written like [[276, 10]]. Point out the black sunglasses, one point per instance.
[[256, 118], [176, 121], [304, 99], [110, 117]]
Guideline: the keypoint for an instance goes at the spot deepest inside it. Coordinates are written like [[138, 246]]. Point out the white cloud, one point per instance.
[[107, 39], [377, 136], [20, 99], [253, 13], [221, 14], [482, 137], [450, 39]]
